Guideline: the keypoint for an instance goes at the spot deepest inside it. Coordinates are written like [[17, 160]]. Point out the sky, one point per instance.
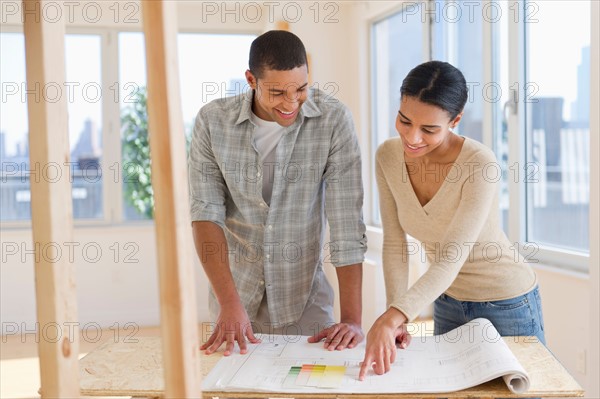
[[555, 51]]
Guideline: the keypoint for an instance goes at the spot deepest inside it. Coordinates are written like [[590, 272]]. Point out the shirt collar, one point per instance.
[[309, 108]]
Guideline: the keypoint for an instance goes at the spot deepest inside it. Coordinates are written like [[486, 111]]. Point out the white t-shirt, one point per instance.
[[266, 137]]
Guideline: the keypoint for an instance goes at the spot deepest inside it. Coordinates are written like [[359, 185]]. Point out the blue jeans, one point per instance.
[[511, 317], [521, 315]]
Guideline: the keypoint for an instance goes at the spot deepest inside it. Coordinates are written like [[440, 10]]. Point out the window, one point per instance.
[[458, 39], [201, 82], [558, 124], [83, 90], [14, 152], [397, 49], [137, 199], [529, 100], [83, 72], [96, 178], [210, 67]]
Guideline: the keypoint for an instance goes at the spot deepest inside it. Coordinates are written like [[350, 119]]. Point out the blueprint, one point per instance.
[[467, 356]]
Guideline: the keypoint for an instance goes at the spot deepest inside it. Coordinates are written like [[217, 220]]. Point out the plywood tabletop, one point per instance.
[[134, 368]]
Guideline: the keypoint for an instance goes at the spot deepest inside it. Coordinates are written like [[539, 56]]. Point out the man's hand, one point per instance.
[[348, 332], [382, 341], [232, 325], [339, 336]]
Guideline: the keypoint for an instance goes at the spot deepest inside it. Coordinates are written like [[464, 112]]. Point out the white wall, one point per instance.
[[567, 304], [207, 16], [116, 277]]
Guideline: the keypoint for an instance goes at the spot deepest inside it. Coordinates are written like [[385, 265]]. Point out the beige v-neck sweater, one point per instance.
[[470, 257]]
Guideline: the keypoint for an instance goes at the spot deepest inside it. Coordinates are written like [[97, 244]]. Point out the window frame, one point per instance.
[[111, 146], [14, 224], [112, 191], [546, 256], [426, 48], [570, 260]]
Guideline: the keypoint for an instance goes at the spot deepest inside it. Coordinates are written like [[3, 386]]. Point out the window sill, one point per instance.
[[82, 224]]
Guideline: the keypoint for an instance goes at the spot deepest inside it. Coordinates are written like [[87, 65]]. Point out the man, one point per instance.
[[265, 167]]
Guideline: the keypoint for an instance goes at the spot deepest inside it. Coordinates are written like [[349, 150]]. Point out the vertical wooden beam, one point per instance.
[[51, 205], [169, 180], [282, 25]]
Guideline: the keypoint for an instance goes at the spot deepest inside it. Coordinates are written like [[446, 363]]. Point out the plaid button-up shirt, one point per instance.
[[278, 248]]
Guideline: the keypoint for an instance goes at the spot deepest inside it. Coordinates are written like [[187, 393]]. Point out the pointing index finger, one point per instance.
[[364, 367]]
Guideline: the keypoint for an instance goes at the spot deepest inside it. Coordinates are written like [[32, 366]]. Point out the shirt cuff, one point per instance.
[[347, 257], [203, 211]]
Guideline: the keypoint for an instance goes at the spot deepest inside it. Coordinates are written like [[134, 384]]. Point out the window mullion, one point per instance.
[[428, 36], [488, 76], [112, 168], [517, 225]]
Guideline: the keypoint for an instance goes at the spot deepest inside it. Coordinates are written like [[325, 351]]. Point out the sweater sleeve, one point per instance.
[[395, 261], [477, 193]]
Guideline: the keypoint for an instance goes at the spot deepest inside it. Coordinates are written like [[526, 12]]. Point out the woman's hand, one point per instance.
[[387, 331]]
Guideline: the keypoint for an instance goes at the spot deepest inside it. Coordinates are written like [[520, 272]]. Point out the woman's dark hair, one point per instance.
[[276, 49], [437, 83]]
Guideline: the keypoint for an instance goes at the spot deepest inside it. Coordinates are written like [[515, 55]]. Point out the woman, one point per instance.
[[442, 189]]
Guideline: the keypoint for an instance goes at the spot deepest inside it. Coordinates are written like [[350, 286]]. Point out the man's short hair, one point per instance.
[[278, 50]]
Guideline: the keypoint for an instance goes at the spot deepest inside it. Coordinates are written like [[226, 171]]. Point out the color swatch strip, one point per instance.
[[315, 375]]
